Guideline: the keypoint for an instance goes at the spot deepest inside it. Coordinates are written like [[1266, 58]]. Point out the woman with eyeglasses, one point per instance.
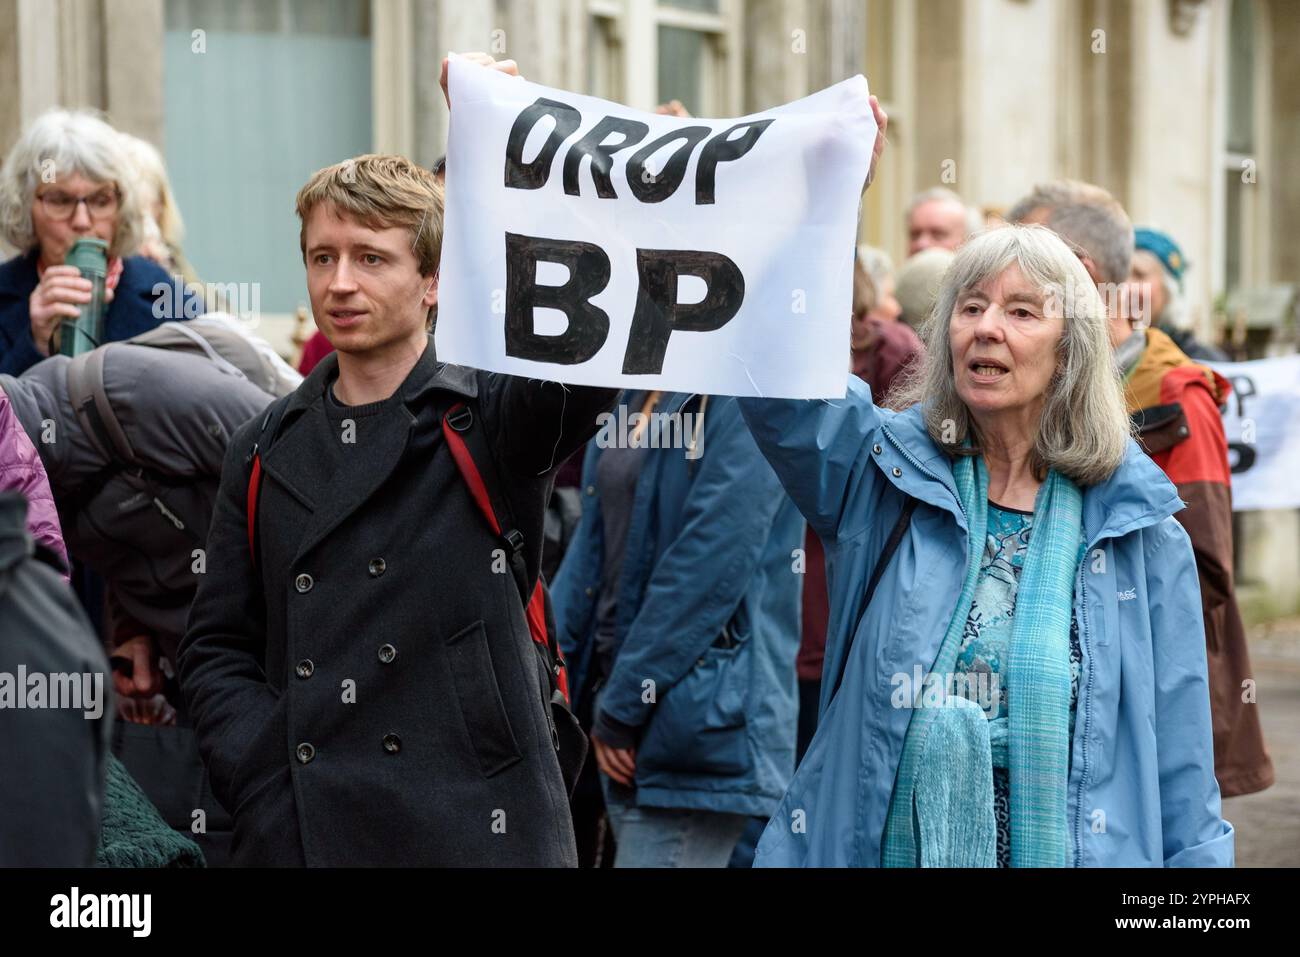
[[68, 178]]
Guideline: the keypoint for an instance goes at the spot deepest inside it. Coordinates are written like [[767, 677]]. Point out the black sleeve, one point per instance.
[[222, 654], [542, 423]]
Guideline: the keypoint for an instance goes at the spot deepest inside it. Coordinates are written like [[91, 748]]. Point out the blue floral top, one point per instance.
[[986, 642]]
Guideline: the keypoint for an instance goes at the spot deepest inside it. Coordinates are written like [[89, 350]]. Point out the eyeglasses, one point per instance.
[[61, 206]]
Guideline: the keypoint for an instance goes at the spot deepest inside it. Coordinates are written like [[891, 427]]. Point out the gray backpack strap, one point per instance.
[[94, 411]]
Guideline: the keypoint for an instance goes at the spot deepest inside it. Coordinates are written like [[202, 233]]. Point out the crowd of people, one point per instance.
[[980, 612]]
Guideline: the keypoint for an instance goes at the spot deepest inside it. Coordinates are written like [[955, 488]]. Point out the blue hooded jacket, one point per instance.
[[1142, 790], [710, 550]]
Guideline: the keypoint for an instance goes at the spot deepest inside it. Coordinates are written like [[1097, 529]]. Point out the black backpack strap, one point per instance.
[[886, 553]]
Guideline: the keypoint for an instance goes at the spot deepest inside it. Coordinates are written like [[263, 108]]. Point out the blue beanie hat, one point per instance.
[[1163, 248]]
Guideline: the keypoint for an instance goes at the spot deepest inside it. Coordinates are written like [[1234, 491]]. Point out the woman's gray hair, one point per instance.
[[1084, 427], [62, 143]]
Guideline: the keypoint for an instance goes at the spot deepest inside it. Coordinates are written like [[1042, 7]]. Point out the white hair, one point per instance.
[[1084, 427], [60, 143]]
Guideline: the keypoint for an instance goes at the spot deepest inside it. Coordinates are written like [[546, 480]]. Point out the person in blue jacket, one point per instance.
[[1026, 684], [678, 605], [66, 178]]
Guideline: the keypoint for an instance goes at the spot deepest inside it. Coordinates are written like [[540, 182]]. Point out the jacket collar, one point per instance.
[[428, 374], [18, 275], [298, 462], [1138, 494]]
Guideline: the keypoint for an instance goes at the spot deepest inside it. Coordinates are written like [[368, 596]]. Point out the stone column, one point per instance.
[[132, 86]]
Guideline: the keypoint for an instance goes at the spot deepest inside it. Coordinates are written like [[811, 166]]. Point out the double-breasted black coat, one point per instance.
[[365, 688]]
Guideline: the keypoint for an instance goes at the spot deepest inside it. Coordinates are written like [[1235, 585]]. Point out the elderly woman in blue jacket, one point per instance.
[[1015, 669], [68, 177], [678, 606]]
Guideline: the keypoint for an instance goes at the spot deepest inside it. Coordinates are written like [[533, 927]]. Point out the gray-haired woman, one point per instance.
[[1015, 672], [68, 178]]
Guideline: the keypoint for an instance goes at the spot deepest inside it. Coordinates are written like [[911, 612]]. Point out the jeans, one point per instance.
[[668, 837]]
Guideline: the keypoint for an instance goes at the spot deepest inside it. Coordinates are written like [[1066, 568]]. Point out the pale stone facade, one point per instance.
[[1145, 97]]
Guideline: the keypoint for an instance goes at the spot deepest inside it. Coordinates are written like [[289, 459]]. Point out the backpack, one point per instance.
[[220, 338], [214, 337], [475, 465]]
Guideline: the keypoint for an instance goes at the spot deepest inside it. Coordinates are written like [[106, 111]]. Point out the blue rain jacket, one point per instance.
[[708, 610], [1142, 790]]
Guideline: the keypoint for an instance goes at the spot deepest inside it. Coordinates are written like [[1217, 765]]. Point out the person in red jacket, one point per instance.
[[1174, 403]]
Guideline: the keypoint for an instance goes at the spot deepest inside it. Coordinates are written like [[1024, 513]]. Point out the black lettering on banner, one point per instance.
[[1245, 457], [722, 150], [588, 275], [660, 187], [658, 314], [1243, 388], [593, 145], [521, 175]]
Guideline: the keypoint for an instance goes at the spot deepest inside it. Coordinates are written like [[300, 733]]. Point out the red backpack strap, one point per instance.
[[254, 460], [456, 424], [254, 489]]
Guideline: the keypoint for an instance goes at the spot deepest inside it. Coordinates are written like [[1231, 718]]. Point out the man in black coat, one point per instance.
[[358, 662]]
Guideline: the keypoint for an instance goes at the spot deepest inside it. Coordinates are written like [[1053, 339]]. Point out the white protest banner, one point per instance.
[[1262, 422], [589, 243]]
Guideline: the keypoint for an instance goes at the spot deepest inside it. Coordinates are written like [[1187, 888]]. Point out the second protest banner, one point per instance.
[[589, 243]]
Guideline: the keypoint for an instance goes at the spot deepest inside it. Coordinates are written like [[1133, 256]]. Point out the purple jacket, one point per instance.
[[21, 471]]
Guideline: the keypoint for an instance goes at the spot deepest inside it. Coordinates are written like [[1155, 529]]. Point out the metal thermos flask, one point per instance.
[[86, 332]]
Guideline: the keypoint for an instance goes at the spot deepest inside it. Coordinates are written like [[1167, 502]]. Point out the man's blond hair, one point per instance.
[[380, 192]]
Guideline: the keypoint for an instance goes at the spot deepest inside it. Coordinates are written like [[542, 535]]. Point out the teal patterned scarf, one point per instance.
[[1038, 699]]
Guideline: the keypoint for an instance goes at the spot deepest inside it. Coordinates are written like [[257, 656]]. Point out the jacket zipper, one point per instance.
[[912, 459], [1087, 712]]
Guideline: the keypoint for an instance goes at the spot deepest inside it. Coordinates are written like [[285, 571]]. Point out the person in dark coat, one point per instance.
[[144, 537], [358, 662], [68, 178], [52, 785]]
